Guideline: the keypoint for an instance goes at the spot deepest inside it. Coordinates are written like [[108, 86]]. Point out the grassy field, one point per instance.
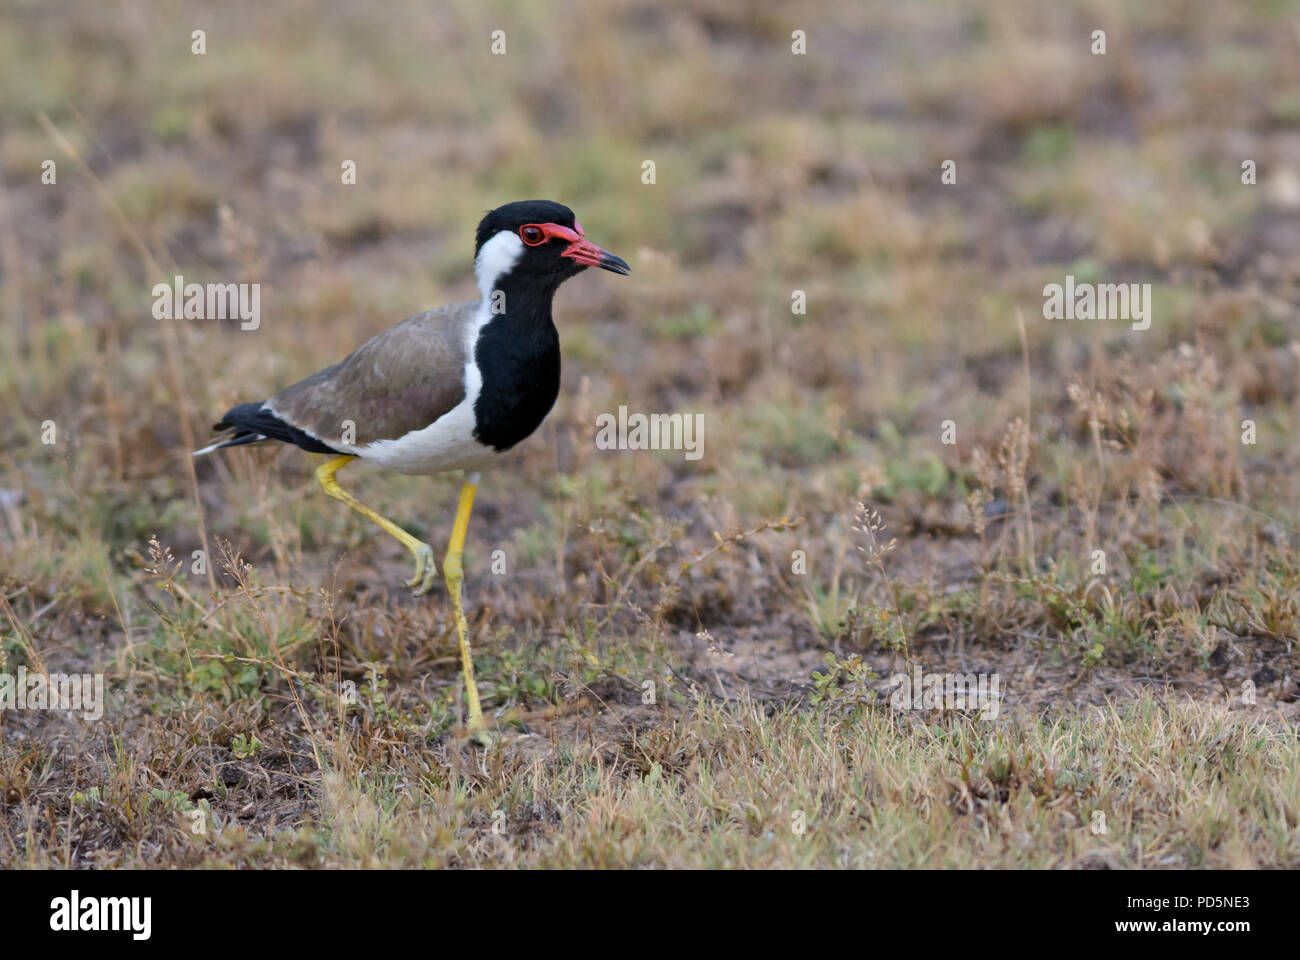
[[688, 662]]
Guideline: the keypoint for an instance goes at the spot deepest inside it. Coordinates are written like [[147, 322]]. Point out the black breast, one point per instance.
[[519, 359]]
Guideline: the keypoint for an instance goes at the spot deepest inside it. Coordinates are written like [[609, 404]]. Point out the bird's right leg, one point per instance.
[[425, 569], [455, 574]]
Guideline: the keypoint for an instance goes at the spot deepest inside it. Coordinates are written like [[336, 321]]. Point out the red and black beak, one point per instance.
[[587, 253], [583, 251]]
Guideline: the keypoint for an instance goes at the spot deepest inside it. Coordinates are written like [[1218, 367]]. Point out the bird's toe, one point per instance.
[[426, 571]]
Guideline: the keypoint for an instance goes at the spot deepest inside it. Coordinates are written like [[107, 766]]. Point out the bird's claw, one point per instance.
[[426, 571]]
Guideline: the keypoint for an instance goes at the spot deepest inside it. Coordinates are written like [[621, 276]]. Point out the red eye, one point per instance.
[[531, 235]]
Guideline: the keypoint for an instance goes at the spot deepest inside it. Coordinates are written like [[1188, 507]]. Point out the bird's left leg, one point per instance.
[[425, 569], [454, 574]]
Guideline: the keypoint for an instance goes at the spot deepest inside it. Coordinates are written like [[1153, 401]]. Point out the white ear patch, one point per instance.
[[495, 259]]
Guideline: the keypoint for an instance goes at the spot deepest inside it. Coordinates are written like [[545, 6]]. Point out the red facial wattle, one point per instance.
[[579, 249]]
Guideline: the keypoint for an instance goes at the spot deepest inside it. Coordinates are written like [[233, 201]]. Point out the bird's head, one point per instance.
[[538, 240]]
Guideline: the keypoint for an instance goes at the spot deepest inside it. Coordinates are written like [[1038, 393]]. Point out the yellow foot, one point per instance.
[[426, 571], [480, 733]]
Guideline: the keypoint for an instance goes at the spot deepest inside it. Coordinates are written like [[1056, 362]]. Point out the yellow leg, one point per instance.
[[455, 575], [425, 569]]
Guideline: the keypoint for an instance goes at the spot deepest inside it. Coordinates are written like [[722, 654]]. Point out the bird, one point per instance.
[[449, 389]]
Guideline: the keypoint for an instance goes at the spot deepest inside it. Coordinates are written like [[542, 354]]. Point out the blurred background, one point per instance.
[[775, 172]]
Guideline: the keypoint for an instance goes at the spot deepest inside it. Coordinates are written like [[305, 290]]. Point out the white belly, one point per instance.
[[447, 444]]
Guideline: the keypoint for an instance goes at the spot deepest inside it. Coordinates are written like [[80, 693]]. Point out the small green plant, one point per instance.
[[830, 613], [89, 798], [877, 625], [374, 694], [844, 684], [245, 746], [520, 679]]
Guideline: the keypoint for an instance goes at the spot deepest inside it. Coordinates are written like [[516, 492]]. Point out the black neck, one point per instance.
[[518, 355]]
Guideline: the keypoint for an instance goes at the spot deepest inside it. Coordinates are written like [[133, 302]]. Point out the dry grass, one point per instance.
[[827, 529]]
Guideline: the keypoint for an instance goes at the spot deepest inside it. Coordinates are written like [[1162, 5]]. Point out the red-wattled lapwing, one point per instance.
[[448, 389]]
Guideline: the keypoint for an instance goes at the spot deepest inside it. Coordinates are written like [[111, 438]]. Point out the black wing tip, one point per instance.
[[254, 422], [237, 440]]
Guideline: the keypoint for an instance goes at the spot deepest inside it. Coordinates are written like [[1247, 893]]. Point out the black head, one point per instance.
[[512, 216], [538, 240]]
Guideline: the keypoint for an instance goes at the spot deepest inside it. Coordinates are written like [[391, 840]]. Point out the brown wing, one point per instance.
[[402, 380]]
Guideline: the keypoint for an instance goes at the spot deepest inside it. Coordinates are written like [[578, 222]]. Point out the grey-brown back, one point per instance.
[[401, 380]]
